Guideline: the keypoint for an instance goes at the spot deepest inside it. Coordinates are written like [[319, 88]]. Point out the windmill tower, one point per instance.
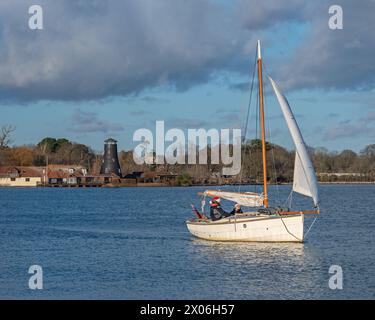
[[110, 162]]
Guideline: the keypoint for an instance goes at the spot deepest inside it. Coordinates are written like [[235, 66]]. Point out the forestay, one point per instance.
[[248, 199], [304, 181]]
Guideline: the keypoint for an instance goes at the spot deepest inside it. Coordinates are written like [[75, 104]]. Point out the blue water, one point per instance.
[[132, 243]]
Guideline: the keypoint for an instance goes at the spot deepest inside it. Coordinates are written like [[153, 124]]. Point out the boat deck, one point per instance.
[[238, 218]]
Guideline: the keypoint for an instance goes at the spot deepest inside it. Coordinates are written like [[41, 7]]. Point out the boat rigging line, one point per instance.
[[243, 142]]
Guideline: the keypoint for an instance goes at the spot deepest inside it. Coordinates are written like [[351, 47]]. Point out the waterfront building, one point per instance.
[[20, 176]]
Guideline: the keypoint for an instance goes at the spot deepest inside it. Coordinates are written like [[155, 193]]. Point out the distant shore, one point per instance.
[[348, 182], [156, 185]]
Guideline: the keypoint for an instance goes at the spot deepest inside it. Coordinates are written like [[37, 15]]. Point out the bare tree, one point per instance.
[[6, 130]]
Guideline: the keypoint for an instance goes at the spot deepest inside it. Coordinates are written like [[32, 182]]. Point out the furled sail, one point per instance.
[[304, 181], [248, 199]]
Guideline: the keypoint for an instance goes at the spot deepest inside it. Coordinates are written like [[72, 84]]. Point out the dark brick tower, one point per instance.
[[110, 162]]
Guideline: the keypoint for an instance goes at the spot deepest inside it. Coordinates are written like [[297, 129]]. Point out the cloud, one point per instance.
[[139, 113], [91, 49], [256, 15], [187, 123], [240, 86], [368, 118], [308, 99], [350, 129], [154, 100], [335, 59], [86, 122], [231, 117], [333, 115]]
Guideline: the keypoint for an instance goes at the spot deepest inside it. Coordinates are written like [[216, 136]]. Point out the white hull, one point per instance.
[[250, 228]]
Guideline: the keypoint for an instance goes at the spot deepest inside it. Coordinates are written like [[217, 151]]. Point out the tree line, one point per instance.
[[346, 165]]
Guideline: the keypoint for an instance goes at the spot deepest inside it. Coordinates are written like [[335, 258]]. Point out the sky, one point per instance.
[[106, 68]]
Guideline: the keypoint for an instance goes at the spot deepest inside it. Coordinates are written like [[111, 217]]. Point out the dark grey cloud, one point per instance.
[[86, 122], [93, 49], [256, 15]]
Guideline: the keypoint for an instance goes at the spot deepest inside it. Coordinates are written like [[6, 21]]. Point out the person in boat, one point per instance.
[[236, 209], [216, 211]]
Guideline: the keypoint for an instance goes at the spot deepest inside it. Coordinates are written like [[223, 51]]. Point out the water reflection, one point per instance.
[[261, 267], [250, 252]]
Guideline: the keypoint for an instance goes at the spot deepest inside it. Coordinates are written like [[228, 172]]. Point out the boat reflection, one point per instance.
[[262, 268], [252, 251]]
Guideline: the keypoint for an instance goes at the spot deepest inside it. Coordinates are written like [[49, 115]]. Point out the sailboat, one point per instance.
[[264, 223]]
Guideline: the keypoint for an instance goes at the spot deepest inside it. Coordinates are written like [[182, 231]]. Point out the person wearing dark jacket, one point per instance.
[[216, 211], [236, 209]]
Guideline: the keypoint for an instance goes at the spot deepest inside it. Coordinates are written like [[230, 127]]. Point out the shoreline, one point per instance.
[[160, 185]]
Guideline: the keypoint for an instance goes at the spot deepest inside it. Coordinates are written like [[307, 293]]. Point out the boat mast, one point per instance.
[[261, 107]]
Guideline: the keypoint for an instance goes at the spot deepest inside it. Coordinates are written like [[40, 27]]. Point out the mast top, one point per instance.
[[258, 46]]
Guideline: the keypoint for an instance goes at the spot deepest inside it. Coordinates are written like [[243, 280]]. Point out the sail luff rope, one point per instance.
[[256, 139], [248, 118]]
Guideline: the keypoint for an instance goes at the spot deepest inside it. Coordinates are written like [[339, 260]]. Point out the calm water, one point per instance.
[[132, 243]]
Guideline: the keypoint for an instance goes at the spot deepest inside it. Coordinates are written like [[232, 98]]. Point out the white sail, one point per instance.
[[300, 183], [247, 199], [304, 181]]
